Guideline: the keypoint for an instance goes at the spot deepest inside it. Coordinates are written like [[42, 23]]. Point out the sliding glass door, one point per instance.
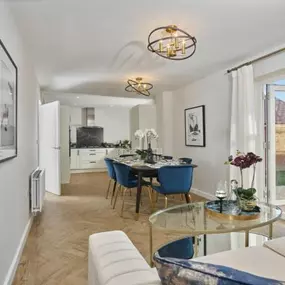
[[275, 143]]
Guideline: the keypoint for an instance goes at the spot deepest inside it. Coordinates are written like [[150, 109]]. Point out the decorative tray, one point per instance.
[[230, 210]]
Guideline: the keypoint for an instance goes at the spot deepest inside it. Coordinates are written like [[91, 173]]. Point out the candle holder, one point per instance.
[[221, 195]]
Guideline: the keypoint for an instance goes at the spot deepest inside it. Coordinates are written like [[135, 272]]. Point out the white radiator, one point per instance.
[[37, 190]]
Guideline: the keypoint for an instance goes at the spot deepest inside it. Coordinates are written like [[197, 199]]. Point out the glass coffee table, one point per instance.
[[196, 220]]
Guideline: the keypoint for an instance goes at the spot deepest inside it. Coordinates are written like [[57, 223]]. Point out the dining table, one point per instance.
[[146, 170]]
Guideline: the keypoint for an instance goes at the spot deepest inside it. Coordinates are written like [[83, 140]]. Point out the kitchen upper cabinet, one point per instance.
[[75, 116]]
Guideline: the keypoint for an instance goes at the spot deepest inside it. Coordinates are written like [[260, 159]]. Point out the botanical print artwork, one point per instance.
[[8, 101], [195, 126]]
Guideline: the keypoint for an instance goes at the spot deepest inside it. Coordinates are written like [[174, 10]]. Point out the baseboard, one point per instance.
[[13, 268], [203, 194], [88, 170]]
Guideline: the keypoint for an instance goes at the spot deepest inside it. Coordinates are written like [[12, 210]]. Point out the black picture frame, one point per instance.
[[195, 126], [9, 144]]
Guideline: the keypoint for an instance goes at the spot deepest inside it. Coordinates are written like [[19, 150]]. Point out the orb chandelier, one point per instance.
[[172, 43], [139, 86]]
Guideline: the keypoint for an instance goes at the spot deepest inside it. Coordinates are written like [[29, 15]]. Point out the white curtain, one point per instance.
[[247, 127]]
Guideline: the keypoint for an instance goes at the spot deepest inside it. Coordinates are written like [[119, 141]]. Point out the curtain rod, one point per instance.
[[257, 59]]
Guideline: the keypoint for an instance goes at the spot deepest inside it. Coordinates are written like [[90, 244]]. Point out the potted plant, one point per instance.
[[245, 196]]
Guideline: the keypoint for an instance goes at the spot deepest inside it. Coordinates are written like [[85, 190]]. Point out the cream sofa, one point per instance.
[[114, 260]]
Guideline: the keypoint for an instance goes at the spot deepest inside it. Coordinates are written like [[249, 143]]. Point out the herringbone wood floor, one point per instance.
[[56, 249]]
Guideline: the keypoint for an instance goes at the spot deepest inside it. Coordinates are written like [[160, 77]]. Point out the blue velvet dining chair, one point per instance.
[[174, 179], [112, 176], [127, 180]]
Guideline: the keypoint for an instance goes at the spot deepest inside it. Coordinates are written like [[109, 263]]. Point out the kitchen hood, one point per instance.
[[88, 117]]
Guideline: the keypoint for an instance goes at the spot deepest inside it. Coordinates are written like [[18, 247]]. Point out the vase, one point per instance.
[[149, 155], [246, 205]]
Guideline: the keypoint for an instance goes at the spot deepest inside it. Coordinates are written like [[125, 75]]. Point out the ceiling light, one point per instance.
[[77, 97], [139, 86], [172, 43]]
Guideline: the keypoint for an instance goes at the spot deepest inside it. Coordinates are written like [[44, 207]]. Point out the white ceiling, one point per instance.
[[85, 100], [93, 47]]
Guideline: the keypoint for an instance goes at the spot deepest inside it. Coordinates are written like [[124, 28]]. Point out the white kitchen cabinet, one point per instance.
[[74, 159], [75, 116], [91, 158]]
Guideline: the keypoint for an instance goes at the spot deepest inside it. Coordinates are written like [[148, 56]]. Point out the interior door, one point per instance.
[[275, 98], [50, 145]]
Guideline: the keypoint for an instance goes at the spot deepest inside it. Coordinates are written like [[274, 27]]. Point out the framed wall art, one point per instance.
[[8, 105], [195, 129]]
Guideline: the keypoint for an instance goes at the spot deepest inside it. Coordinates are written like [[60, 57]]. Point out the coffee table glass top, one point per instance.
[[195, 219]]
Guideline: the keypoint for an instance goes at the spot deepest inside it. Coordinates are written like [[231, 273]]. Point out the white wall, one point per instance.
[[165, 121], [14, 174], [115, 121], [134, 125], [213, 92], [142, 117]]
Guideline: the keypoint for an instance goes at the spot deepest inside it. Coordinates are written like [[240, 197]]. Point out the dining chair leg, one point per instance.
[[108, 190], [188, 198], [116, 197], [181, 197], [113, 192], [123, 203], [165, 201], [150, 198]]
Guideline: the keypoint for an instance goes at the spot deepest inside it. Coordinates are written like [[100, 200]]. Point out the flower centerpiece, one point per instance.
[[150, 134], [139, 134], [245, 196]]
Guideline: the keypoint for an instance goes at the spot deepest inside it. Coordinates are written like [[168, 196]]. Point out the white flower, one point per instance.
[[139, 134], [151, 134]]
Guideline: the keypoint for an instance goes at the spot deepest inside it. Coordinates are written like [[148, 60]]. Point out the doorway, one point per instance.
[[275, 143]]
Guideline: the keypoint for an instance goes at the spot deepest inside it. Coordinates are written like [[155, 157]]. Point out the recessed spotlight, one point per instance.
[[77, 97]]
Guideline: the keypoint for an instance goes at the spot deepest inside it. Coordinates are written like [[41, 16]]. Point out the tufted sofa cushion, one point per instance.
[[113, 260]]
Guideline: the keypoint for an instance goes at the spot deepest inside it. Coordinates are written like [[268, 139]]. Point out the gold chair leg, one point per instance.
[[165, 201], [116, 197], [108, 190], [114, 193], [123, 203], [190, 198], [150, 198]]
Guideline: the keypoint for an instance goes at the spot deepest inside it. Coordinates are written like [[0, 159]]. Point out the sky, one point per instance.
[[280, 95]]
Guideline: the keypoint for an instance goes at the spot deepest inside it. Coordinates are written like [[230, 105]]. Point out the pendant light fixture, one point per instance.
[[139, 86], [172, 43]]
